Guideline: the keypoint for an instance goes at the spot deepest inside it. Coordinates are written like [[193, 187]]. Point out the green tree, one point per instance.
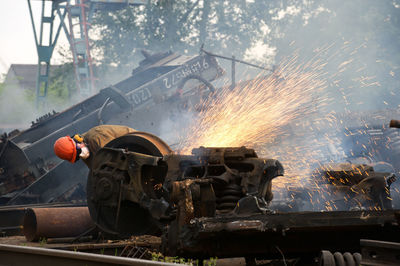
[[61, 89], [2, 85], [62, 85], [226, 27]]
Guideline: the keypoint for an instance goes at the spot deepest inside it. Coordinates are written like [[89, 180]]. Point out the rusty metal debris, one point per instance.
[[379, 252], [12, 217], [139, 193], [136, 252], [206, 203], [56, 222], [356, 186], [326, 258], [150, 95], [215, 203], [395, 123]]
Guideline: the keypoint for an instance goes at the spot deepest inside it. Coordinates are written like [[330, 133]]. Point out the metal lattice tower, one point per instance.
[[77, 12], [79, 40], [45, 41]]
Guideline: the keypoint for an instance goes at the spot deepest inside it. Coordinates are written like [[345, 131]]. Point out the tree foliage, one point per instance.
[[62, 85], [234, 26], [2, 85], [227, 27]]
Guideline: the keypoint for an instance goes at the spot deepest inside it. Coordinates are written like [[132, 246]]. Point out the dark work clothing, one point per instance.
[[97, 137]]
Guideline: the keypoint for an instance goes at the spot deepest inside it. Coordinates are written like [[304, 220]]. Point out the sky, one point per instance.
[[17, 44]]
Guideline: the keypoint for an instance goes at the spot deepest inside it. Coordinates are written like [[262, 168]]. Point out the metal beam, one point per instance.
[[45, 43], [379, 252]]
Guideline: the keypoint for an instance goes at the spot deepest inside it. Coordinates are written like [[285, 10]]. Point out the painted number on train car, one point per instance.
[[185, 71], [140, 96]]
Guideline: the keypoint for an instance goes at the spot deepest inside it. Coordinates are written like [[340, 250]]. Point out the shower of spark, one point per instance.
[[281, 116], [256, 112]]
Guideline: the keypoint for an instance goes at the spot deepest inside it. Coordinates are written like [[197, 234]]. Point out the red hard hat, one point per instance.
[[65, 148]]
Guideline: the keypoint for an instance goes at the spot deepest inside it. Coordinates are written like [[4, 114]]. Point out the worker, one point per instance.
[[86, 145]]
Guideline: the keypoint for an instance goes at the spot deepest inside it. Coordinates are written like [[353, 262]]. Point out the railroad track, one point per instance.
[[23, 255]]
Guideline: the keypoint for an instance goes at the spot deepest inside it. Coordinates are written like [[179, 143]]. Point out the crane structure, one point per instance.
[[54, 14]]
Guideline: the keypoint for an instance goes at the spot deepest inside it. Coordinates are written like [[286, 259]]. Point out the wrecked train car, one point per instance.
[[137, 181], [29, 170], [215, 203]]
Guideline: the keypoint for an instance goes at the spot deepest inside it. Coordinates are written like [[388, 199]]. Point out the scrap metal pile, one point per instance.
[[345, 186], [164, 82], [215, 202]]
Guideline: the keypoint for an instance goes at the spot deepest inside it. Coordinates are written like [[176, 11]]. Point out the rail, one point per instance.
[[22, 255]]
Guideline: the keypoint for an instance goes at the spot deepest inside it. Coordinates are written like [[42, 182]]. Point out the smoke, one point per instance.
[[362, 73], [362, 61], [172, 128], [16, 110], [18, 99], [356, 41]]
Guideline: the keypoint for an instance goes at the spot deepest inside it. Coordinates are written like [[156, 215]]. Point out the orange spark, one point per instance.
[[255, 113]]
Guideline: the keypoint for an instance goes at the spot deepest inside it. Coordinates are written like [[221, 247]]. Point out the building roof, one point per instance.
[[24, 75]]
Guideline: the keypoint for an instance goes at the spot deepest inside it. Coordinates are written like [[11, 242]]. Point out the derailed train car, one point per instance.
[[29, 170], [215, 202]]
